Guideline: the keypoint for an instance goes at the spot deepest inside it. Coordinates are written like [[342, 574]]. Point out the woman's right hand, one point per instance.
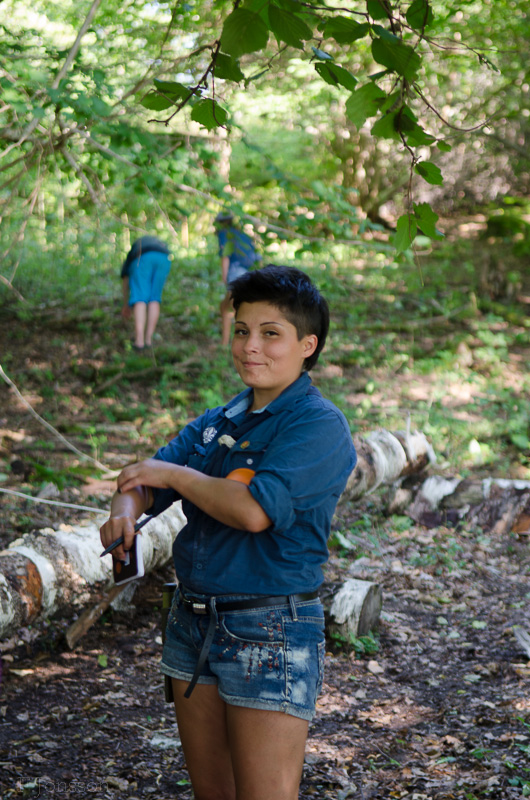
[[125, 509], [114, 527]]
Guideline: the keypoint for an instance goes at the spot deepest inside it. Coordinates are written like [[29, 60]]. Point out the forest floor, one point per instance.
[[438, 705]]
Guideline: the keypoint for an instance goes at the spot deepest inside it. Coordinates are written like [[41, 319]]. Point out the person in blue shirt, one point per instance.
[[259, 480], [144, 273], [237, 254]]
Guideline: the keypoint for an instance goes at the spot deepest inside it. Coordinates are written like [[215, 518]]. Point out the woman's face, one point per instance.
[[267, 352]]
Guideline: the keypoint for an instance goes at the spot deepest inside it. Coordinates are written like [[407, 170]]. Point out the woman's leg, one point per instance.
[[140, 313], [227, 315], [153, 313], [267, 750], [202, 726]]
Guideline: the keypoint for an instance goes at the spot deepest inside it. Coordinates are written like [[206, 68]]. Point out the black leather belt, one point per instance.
[[212, 606], [199, 606]]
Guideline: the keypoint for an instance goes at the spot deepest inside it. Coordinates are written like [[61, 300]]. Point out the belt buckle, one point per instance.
[[198, 608]]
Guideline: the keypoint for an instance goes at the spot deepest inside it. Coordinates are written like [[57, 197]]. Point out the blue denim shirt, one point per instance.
[[302, 452]]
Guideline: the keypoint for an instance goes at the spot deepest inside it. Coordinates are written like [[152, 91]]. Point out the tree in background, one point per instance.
[[145, 114]]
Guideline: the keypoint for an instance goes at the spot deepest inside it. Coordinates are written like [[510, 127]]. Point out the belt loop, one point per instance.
[[293, 608]]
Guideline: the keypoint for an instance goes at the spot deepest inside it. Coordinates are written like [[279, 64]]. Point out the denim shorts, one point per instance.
[[269, 658]]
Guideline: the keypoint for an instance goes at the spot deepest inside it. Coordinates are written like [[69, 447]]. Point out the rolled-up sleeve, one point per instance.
[[307, 463]]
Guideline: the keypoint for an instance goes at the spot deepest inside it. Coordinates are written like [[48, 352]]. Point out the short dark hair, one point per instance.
[[224, 217], [292, 291]]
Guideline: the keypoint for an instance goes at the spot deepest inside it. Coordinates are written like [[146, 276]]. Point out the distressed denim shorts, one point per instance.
[[268, 658]]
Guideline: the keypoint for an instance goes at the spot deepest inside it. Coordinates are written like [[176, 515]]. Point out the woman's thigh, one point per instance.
[[267, 750], [202, 727]]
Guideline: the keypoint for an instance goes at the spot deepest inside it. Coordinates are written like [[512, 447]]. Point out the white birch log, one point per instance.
[[384, 457], [498, 501], [41, 573], [354, 610]]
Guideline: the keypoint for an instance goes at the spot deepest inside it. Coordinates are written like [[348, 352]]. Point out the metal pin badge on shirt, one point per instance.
[[208, 434], [244, 445]]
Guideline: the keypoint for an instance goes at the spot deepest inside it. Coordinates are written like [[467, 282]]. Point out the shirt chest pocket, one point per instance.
[[196, 458], [247, 454]]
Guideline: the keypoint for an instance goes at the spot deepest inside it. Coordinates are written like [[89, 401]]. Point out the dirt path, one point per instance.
[[441, 710]]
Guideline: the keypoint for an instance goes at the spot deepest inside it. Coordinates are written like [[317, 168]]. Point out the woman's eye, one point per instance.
[[271, 333], [240, 332]]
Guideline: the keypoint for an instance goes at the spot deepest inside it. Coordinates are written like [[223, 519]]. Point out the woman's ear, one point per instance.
[[310, 344]]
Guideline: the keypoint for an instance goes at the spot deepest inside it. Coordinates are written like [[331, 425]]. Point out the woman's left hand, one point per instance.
[[150, 472]]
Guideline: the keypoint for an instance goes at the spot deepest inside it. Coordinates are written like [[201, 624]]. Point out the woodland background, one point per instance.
[[382, 147]]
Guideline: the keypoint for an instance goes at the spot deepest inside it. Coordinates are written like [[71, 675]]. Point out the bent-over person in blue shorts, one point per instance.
[[259, 479], [144, 273]]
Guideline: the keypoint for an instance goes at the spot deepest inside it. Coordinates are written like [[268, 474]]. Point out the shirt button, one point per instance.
[[199, 566], [250, 460]]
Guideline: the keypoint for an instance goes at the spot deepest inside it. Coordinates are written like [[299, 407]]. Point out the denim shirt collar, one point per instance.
[[297, 389]]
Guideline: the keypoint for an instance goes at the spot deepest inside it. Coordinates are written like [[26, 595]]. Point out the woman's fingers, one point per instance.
[[150, 472], [113, 529]]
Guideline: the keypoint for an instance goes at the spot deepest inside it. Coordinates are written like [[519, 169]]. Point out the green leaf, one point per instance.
[[288, 27], [397, 56], [406, 230], [430, 172], [320, 54], [445, 147], [385, 127], [416, 135], [376, 9], [243, 32], [102, 660], [427, 220], [364, 103], [485, 60], [419, 14], [172, 88], [228, 68], [336, 76], [209, 113], [156, 102], [344, 30]]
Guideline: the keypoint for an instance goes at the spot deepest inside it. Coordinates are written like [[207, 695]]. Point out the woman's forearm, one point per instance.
[[227, 501]]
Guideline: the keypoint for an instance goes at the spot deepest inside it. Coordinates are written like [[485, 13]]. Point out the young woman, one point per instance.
[[259, 480]]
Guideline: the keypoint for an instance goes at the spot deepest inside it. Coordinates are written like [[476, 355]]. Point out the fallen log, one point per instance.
[[43, 572], [384, 457], [494, 504], [353, 610]]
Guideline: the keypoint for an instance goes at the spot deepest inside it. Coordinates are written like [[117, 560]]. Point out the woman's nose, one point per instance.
[[252, 343]]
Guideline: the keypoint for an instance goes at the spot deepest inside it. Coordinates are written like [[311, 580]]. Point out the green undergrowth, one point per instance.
[[412, 342]]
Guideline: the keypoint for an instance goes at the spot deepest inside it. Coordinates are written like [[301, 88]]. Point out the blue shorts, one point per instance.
[[267, 658], [147, 276]]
